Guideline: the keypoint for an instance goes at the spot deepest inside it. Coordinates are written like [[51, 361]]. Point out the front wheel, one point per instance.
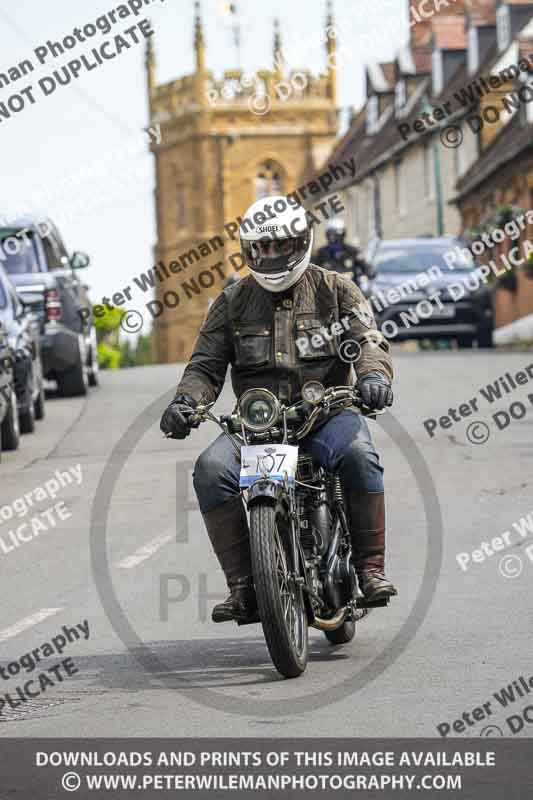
[[280, 600]]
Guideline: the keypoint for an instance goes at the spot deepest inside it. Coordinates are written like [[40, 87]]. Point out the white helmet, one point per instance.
[[336, 230], [276, 242]]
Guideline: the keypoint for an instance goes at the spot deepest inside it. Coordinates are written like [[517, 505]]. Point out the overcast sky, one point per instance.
[[82, 152]]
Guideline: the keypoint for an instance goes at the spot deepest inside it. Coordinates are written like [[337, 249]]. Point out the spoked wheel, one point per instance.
[[280, 601]]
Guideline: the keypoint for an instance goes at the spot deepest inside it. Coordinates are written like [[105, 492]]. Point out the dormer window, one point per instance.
[[372, 114], [473, 49], [503, 21], [438, 72], [400, 96]]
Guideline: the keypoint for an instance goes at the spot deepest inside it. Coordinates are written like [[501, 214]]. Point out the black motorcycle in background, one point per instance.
[[299, 535]]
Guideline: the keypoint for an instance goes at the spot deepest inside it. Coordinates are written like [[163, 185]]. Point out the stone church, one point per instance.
[[225, 143]]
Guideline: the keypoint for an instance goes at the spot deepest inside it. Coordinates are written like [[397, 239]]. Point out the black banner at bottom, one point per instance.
[[45, 769]]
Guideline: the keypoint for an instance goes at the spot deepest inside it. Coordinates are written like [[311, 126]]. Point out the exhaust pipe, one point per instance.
[[333, 623]]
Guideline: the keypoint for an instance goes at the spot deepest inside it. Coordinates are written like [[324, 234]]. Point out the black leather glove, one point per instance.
[[174, 422], [375, 390]]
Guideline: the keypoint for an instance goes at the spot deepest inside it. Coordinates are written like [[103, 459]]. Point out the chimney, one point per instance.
[[421, 15]]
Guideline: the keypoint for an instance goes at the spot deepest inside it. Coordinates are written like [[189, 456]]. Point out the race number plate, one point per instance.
[[273, 461]]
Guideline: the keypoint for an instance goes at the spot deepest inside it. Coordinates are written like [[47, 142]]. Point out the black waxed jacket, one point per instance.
[[279, 341]]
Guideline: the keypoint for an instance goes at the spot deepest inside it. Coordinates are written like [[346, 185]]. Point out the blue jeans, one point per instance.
[[343, 446]]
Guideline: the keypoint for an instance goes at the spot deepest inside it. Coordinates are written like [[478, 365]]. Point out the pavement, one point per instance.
[[126, 562]]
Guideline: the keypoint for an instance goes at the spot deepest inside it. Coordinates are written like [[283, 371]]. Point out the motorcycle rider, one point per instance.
[[256, 325], [341, 257]]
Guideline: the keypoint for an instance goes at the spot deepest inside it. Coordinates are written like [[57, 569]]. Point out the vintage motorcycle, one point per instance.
[[299, 536]]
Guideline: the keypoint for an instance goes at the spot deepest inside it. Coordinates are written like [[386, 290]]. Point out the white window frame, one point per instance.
[[503, 27], [473, 49], [400, 95], [437, 70], [371, 210], [372, 114]]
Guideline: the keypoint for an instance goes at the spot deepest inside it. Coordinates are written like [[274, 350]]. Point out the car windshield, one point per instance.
[[18, 254], [403, 258]]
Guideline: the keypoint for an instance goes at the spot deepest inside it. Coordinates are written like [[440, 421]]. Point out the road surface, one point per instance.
[[153, 666]]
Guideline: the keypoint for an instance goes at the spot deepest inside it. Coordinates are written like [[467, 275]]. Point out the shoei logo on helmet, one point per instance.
[[268, 229]]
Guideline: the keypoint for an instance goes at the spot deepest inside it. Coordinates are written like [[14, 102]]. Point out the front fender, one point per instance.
[[264, 491]]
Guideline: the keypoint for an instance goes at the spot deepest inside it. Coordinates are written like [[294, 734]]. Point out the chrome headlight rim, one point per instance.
[[250, 396]]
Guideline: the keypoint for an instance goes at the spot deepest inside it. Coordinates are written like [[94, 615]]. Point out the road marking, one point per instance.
[[145, 552], [28, 622]]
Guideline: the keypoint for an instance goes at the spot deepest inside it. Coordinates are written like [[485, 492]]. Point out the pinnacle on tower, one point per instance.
[[331, 52], [279, 64], [199, 42], [150, 64]]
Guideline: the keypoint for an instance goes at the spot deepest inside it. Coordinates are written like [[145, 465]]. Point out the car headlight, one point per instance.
[[259, 410]]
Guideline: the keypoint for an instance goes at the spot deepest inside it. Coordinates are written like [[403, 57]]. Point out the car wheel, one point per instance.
[[39, 403], [94, 378], [27, 419], [74, 383], [10, 426], [465, 342]]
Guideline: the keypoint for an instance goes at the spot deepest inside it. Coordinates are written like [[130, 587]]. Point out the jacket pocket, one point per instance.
[[252, 345], [311, 339]]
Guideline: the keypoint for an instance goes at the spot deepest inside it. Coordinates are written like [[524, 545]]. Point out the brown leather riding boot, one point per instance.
[[367, 526], [227, 527]]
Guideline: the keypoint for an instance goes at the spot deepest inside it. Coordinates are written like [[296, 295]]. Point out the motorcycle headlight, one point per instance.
[[259, 410]]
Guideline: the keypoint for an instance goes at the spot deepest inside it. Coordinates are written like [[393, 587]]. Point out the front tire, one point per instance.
[[281, 605]]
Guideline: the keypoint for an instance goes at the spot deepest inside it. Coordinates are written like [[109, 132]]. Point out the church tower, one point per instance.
[[225, 143]]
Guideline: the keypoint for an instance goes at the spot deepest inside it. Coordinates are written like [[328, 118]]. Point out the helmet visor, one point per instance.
[[275, 256]]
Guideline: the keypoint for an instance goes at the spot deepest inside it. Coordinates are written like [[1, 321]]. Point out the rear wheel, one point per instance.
[[342, 635], [74, 382], [27, 419], [10, 426], [39, 403], [280, 601]]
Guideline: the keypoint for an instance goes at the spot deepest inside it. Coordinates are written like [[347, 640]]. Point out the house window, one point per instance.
[[372, 114], [438, 72], [473, 49], [400, 96], [268, 181], [399, 187], [503, 21], [429, 170]]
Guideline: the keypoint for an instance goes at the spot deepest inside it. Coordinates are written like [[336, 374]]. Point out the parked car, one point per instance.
[[9, 418], [46, 277], [409, 271], [22, 329]]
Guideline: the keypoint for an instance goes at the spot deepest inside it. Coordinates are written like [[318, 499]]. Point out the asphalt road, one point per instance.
[[446, 644]]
